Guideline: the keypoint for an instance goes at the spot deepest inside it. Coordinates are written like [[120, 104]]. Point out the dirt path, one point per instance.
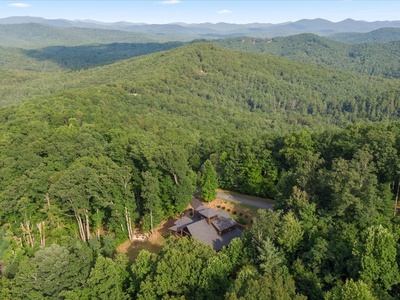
[[252, 202]]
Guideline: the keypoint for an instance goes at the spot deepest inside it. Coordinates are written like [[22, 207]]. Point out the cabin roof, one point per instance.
[[207, 212], [206, 233], [182, 223], [223, 222]]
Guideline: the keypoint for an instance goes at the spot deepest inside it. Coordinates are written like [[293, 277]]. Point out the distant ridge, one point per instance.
[[381, 35], [34, 35], [316, 26]]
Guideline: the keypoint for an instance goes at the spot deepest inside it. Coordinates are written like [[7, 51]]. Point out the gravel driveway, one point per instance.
[[251, 202]]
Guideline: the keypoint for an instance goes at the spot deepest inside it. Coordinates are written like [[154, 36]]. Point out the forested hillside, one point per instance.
[[379, 59], [256, 82], [382, 35], [87, 155], [59, 58], [31, 36]]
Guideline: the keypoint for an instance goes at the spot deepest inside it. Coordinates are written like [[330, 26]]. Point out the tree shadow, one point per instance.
[[89, 56]]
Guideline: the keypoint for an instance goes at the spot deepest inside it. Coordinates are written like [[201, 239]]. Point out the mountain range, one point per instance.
[[316, 26]]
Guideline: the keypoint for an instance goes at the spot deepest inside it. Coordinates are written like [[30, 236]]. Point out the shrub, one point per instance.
[[234, 212], [241, 220], [228, 210]]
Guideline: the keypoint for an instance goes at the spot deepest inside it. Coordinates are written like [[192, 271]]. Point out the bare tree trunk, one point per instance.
[[397, 198], [98, 229], [47, 199], [175, 178], [80, 225], [28, 231], [87, 225], [44, 234], [40, 227], [24, 235], [128, 224], [151, 221]]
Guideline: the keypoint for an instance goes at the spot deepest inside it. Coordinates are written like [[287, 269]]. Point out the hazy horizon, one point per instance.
[[195, 12]]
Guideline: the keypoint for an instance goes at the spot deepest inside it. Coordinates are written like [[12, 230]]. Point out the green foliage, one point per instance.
[[177, 269], [143, 266], [291, 233], [209, 182], [106, 281], [271, 261], [265, 225], [152, 202], [378, 259], [52, 272], [36, 35], [382, 35], [362, 54], [251, 285], [350, 291], [92, 153]]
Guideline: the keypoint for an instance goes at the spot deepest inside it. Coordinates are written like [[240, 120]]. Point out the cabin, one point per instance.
[[208, 225]]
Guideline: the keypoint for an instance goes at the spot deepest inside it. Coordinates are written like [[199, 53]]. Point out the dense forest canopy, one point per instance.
[[32, 35], [85, 155], [379, 59]]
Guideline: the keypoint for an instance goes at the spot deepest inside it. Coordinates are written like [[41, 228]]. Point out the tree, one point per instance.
[[53, 264], [214, 279], [266, 225], [297, 146], [270, 258], [352, 189], [151, 201], [209, 182], [24, 281], [177, 270], [378, 259], [351, 290], [78, 188], [250, 285], [53, 271], [290, 233], [105, 281], [143, 266]]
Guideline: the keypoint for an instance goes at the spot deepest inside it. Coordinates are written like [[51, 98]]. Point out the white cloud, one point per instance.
[[21, 5], [171, 2], [224, 11]]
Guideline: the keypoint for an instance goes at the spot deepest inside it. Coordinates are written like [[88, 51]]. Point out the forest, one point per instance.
[[91, 149], [373, 53]]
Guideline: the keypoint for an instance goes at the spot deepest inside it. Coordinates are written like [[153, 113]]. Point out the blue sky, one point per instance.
[[190, 11]]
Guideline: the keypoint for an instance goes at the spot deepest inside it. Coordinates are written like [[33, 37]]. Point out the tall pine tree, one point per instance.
[[209, 182]]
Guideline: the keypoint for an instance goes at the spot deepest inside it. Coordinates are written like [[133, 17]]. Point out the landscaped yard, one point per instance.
[[241, 212]]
